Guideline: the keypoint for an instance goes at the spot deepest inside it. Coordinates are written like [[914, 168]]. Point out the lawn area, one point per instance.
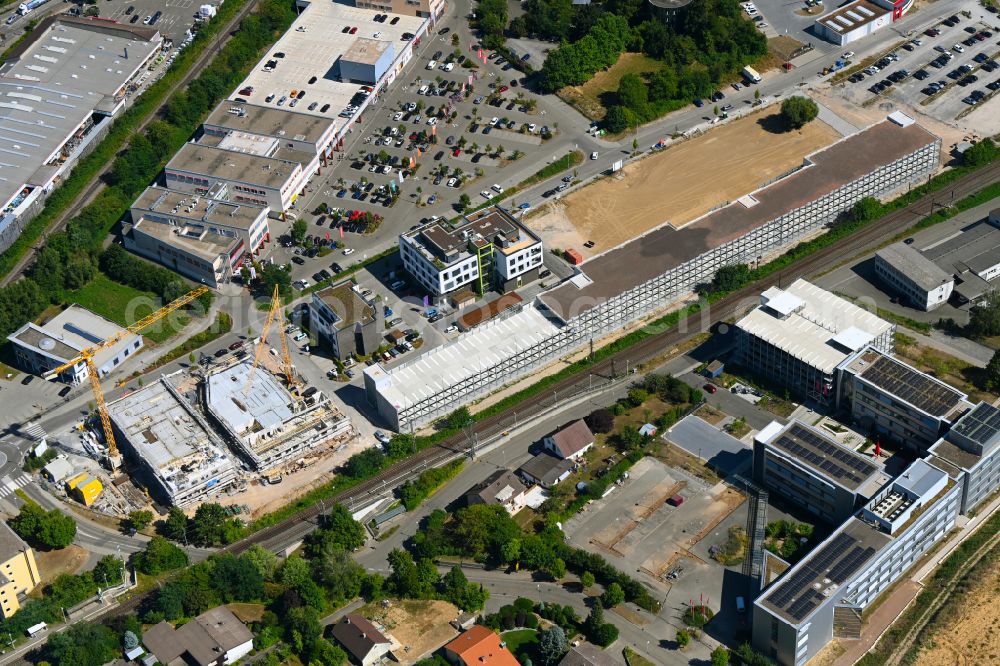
[[124, 305], [523, 643], [588, 98]]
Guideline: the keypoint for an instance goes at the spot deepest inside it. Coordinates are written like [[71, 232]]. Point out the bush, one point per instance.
[[600, 421], [683, 638], [49, 529], [417, 490], [160, 555]]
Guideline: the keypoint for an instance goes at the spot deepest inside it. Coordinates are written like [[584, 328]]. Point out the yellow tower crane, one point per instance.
[[87, 356], [274, 314]]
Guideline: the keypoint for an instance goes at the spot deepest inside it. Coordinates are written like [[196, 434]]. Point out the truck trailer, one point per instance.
[[751, 75]]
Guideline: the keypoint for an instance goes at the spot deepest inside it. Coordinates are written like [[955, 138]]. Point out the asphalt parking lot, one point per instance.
[[177, 16], [940, 73]]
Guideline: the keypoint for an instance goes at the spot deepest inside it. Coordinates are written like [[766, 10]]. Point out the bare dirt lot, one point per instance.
[[679, 183], [971, 635], [53, 563], [416, 627]]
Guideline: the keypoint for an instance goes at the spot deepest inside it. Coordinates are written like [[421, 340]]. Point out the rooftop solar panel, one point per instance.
[[981, 424], [910, 385], [829, 458]]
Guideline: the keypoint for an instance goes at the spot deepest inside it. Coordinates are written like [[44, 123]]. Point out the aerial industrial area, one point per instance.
[[483, 332]]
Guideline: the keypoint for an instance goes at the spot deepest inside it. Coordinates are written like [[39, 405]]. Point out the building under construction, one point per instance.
[[264, 422], [180, 458]]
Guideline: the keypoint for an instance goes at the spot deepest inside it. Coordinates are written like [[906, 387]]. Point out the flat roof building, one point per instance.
[[312, 54], [203, 237], [858, 19], [18, 570], [486, 250], [799, 335], [971, 448], [230, 123], [972, 257], [813, 471], [57, 89], [907, 272], [265, 423], [41, 348], [345, 321], [895, 400], [182, 460], [826, 592], [433, 9], [546, 470], [265, 181]]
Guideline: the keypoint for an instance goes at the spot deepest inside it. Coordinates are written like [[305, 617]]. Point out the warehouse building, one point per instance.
[[41, 348], [264, 422], [59, 89], [273, 182], [892, 399], [670, 262], [179, 457], [799, 335], [485, 251], [907, 272], [205, 238], [859, 19], [969, 453], [813, 471], [345, 322], [432, 9], [823, 596], [972, 257]]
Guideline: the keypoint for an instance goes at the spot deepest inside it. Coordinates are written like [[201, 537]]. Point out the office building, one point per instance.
[[812, 471], [214, 638], [969, 453], [41, 348], [824, 594], [179, 457], [18, 571], [905, 271], [264, 422], [203, 237], [485, 251], [894, 400], [798, 336], [59, 90], [345, 322], [859, 19]]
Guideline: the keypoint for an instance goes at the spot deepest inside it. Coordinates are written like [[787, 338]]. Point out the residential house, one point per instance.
[[214, 638], [546, 470], [588, 654], [503, 488], [18, 571], [479, 646], [366, 644], [571, 442]]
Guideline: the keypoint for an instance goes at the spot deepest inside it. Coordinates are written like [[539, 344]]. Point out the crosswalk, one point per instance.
[[9, 485]]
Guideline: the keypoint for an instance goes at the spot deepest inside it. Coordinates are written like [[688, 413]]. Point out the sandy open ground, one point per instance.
[[971, 635], [678, 184], [415, 627]]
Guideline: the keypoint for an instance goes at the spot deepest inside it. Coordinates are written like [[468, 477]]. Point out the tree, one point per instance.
[[337, 572], [108, 571], [633, 93], [49, 529], [465, 202], [262, 560], [613, 595], [160, 555], [557, 569], [595, 619], [208, 527], [339, 528], [275, 275], [236, 579], [365, 463], [600, 421], [605, 635], [991, 374], [130, 640], [797, 111], [730, 278], [984, 317], [720, 656], [981, 154], [299, 229], [82, 645], [683, 638], [176, 524], [587, 580], [865, 209], [552, 644], [139, 520], [616, 119]]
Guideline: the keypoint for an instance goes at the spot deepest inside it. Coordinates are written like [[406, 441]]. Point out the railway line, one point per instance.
[[295, 527]]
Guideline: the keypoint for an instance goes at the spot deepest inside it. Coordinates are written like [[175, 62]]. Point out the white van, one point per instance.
[[36, 629], [432, 64], [422, 91]]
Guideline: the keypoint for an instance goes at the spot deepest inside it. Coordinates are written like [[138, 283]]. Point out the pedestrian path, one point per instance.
[[8, 485]]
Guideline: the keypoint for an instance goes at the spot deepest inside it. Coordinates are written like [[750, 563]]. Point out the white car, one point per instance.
[[451, 329], [531, 128], [593, 155], [957, 48], [382, 437], [387, 169], [398, 116], [452, 182], [348, 251], [485, 194], [432, 121], [496, 188], [450, 66], [848, 55], [494, 121]]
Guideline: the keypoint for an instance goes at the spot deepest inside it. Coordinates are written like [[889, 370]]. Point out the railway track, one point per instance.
[[645, 350], [97, 185]]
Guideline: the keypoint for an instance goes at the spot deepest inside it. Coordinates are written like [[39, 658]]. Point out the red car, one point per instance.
[[711, 388], [247, 91], [235, 346], [456, 152], [503, 89], [354, 30]]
